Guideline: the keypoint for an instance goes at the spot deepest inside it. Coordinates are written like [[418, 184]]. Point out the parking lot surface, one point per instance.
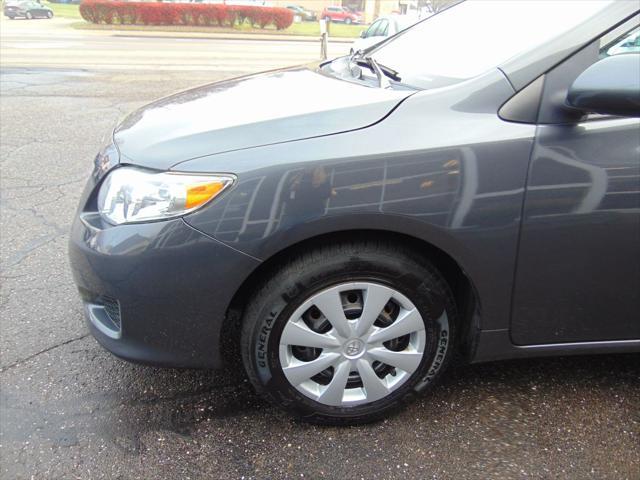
[[54, 44], [68, 409]]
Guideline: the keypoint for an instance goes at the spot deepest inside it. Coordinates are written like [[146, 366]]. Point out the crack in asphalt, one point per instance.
[[44, 288], [40, 186], [45, 350], [34, 245]]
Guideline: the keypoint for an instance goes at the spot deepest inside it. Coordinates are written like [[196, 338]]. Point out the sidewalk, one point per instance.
[[226, 36], [275, 37]]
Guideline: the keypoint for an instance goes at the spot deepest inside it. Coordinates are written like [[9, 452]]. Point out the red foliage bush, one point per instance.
[[155, 13], [282, 18]]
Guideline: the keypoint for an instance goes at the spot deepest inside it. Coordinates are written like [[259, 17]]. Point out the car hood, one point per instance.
[[268, 108]]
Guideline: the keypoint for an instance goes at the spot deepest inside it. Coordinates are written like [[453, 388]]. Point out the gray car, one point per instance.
[[432, 196], [27, 10]]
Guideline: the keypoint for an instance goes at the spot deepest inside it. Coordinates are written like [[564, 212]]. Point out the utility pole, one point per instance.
[[324, 38]]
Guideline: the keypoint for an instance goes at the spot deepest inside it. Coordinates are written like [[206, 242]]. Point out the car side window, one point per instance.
[[383, 28], [371, 31]]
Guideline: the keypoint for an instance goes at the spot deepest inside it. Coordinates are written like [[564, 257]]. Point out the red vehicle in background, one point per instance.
[[340, 14]]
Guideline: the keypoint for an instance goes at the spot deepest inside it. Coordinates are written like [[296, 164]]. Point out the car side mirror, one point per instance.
[[610, 86], [363, 34]]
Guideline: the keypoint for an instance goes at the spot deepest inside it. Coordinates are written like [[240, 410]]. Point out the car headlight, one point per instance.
[[130, 195]]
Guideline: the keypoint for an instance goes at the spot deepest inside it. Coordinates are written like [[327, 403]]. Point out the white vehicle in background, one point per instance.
[[384, 27]]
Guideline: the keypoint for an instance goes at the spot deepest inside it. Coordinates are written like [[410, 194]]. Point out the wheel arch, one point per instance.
[[463, 287]]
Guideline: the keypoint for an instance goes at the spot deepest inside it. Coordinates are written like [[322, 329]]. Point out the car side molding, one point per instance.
[[497, 345]]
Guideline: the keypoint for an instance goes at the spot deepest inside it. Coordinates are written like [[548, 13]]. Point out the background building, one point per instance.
[[372, 9]]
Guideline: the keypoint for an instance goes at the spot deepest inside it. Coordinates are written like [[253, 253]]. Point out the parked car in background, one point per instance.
[[359, 13], [303, 13], [340, 14], [383, 27], [27, 10]]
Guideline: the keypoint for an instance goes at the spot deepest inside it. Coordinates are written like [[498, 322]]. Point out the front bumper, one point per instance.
[[168, 288]]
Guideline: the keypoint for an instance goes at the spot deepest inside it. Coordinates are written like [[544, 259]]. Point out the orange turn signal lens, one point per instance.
[[202, 193]]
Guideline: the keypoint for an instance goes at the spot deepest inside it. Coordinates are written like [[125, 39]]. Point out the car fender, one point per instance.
[[427, 170]]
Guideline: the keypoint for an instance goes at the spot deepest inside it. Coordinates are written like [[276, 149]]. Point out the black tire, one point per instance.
[[12, 17], [308, 273], [348, 21], [28, 16], [49, 14]]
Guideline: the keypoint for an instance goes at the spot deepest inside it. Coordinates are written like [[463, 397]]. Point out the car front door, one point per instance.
[[578, 272]]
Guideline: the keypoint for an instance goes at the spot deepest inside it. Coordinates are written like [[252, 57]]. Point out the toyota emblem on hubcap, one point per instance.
[[353, 347]]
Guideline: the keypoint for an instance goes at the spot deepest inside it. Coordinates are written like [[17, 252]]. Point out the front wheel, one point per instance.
[[28, 16], [349, 333], [49, 14], [348, 21]]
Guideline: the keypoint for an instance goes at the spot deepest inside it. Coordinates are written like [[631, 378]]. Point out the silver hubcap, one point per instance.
[[352, 344]]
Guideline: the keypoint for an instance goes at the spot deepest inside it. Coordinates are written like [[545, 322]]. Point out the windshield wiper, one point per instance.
[[382, 72]]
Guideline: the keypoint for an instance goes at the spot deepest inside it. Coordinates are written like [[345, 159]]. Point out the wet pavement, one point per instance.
[[68, 409]]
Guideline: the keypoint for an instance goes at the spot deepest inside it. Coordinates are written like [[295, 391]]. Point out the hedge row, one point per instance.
[[156, 13]]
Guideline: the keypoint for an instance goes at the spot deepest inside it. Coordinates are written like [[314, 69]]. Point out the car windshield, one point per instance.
[[475, 36]]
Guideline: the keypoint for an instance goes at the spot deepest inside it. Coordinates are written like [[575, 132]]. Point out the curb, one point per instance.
[[222, 36], [211, 36]]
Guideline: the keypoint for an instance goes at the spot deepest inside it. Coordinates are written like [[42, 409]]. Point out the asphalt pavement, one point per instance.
[[54, 44], [68, 409]]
